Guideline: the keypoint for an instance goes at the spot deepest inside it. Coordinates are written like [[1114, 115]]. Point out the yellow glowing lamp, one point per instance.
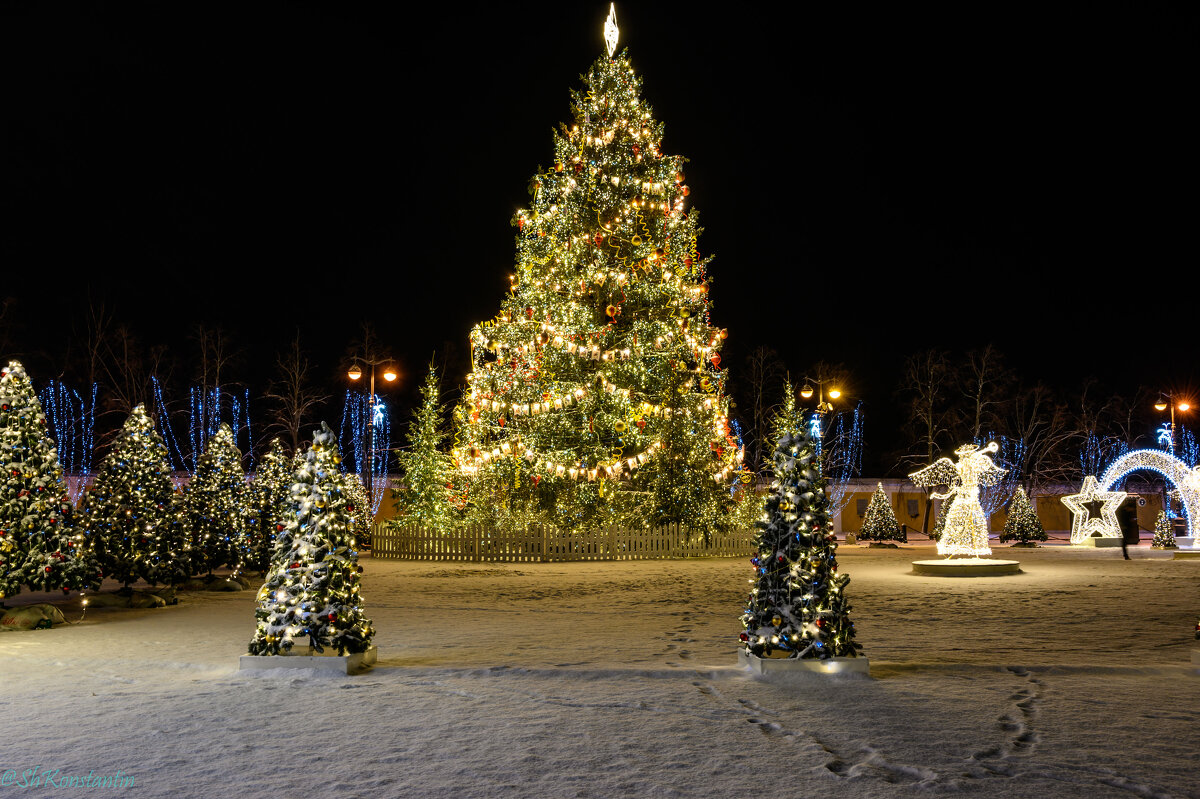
[[389, 374], [834, 393], [806, 392], [1183, 406], [1161, 405], [354, 373]]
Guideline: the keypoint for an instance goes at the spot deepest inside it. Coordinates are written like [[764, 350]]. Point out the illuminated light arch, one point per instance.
[[1186, 481]]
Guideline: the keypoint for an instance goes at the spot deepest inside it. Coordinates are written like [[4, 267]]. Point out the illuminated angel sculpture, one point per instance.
[[966, 531]]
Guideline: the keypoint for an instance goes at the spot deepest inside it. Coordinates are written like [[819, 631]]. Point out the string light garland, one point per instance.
[[965, 532], [352, 436], [1173, 469], [72, 424]]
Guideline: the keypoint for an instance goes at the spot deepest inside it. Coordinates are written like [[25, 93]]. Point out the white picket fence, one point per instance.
[[545, 544]]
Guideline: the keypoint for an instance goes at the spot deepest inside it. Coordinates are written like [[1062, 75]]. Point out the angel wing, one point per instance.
[[990, 475], [940, 472]]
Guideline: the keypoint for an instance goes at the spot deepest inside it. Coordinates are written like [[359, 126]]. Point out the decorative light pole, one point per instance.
[[1165, 400], [389, 374], [816, 427]]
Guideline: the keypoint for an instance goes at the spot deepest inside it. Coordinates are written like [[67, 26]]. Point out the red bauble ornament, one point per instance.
[[279, 528], [743, 637], [578, 167], [716, 359], [529, 311], [500, 421]]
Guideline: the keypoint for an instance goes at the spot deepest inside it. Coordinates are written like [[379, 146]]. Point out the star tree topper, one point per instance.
[[1094, 512], [610, 29]]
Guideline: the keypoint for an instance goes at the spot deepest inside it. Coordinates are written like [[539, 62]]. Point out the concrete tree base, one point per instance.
[[966, 567], [1098, 541], [302, 657], [1187, 554], [859, 665]]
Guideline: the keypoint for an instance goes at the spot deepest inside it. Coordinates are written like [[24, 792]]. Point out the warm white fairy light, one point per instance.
[[965, 531], [1088, 519]]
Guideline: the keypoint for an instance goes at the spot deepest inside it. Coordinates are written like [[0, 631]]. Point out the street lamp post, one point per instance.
[[1167, 399], [389, 374], [823, 406]]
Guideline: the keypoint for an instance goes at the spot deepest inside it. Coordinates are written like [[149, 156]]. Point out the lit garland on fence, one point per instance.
[[1088, 519]]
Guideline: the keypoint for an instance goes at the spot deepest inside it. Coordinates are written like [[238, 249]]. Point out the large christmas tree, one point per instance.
[[880, 523], [214, 510], [425, 496], [268, 500], [312, 590], [798, 604], [596, 392], [40, 544], [132, 510]]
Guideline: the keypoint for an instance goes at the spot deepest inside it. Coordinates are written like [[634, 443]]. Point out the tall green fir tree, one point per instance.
[[880, 523], [1164, 535], [1023, 525], [798, 606], [358, 508], [596, 393], [788, 416], [312, 590], [132, 511], [268, 501], [214, 505], [41, 545], [425, 495]]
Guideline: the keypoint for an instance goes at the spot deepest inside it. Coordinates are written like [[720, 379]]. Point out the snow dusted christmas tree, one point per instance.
[[268, 500], [312, 590], [1023, 525], [425, 497], [214, 511], [132, 511], [1164, 535], [596, 394], [798, 607], [40, 544], [880, 523]]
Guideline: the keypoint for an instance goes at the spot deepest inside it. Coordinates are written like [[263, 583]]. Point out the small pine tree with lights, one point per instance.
[[312, 590], [132, 510], [1023, 525], [40, 544], [268, 500], [1164, 535], [788, 416], [880, 523], [358, 508], [798, 606], [214, 511], [428, 471]]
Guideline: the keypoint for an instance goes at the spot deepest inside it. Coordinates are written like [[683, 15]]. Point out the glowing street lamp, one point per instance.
[[1167, 400], [390, 374]]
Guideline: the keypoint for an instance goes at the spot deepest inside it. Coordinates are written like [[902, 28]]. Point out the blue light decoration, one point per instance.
[[842, 458], [1189, 451], [162, 421], [352, 442], [1186, 480], [1098, 452], [1165, 439], [72, 423], [1010, 456], [205, 419]]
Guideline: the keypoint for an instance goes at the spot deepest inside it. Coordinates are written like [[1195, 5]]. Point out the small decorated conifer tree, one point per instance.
[[880, 523], [40, 544], [213, 505], [1023, 525], [132, 510], [429, 474], [798, 606], [1164, 536], [268, 500], [312, 590], [358, 509]]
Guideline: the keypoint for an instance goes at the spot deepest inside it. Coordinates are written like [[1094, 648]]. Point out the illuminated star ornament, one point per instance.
[[966, 530], [1094, 511], [610, 29]]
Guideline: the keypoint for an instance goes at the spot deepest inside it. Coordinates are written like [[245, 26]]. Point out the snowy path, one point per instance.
[[617, 679]]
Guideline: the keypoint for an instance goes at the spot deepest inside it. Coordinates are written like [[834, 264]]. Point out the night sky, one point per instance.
[[871, 184]]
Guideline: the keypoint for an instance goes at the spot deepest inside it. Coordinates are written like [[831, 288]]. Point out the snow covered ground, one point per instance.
[[619, 679]]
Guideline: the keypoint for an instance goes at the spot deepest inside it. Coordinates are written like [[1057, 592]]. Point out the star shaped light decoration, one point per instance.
[[1085, 521], [610, 29]]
